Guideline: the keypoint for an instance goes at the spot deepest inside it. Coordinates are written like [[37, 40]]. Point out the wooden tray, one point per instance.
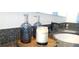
[[51, 43]]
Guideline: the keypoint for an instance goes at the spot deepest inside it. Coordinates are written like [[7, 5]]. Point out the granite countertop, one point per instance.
[[8, 37]]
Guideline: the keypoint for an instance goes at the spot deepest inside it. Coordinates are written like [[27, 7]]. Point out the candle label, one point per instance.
[[42, 35]]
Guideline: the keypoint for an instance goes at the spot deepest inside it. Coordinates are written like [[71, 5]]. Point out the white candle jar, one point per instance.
[[42, 35]]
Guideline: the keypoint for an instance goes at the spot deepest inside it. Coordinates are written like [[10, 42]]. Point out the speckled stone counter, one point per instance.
[[8, 37]]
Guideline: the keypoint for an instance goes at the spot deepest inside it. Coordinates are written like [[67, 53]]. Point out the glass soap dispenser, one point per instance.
[[26, 31], [37, 24]]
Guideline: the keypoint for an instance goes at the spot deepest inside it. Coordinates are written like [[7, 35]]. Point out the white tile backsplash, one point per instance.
[[15, 19]]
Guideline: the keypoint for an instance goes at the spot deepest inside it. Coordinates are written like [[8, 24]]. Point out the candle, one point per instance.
[[42, 35]]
